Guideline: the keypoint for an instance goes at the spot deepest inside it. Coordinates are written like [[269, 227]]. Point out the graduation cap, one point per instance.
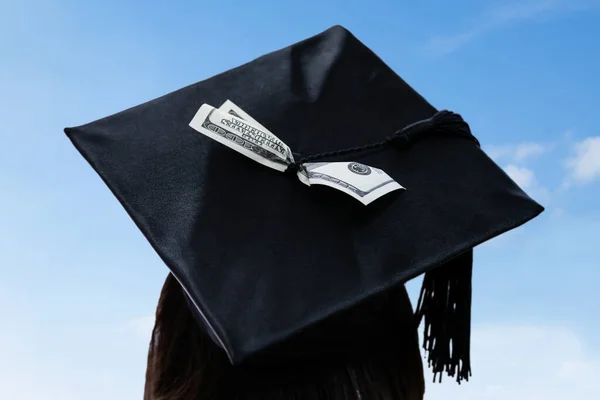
[[290, 190]]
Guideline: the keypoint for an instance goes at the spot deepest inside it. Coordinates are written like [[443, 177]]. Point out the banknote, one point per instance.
[[243, 136], [236, 129], [365, 183], [231, 108]]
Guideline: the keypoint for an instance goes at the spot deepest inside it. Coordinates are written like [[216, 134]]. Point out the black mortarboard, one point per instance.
[[265, 258]]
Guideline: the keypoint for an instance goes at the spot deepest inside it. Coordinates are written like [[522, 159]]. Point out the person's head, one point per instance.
[[185, 364]]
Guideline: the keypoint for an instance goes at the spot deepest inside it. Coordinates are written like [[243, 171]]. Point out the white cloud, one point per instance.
[[498, 153], [528, 150], [509, 362], [517, 153], [524, 363], [500, 17], [516, 156], [584, 164], [524, 177]]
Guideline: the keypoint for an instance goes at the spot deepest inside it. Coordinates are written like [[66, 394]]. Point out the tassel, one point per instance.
[[445, 306], [443, 122]]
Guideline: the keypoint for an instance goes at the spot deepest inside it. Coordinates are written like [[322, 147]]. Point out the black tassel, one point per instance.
[[443, 122], [445, 307]]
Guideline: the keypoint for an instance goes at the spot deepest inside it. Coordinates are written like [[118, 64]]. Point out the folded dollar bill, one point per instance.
[[360, 181], [243, 136], [234, 128]]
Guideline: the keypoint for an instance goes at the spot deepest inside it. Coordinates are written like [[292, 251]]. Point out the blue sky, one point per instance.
[[79, 283]]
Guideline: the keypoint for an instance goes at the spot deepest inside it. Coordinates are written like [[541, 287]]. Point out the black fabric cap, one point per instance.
[[264, 258]]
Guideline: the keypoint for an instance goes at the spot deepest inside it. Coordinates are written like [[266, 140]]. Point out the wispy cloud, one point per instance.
[[501, 17], [528, 150], [509, 361], [525, 362], [526, 179], [514, 158], [517, 153], [583, 166]]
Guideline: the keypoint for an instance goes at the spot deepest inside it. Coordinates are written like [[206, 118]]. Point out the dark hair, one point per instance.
[[185, 364]]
